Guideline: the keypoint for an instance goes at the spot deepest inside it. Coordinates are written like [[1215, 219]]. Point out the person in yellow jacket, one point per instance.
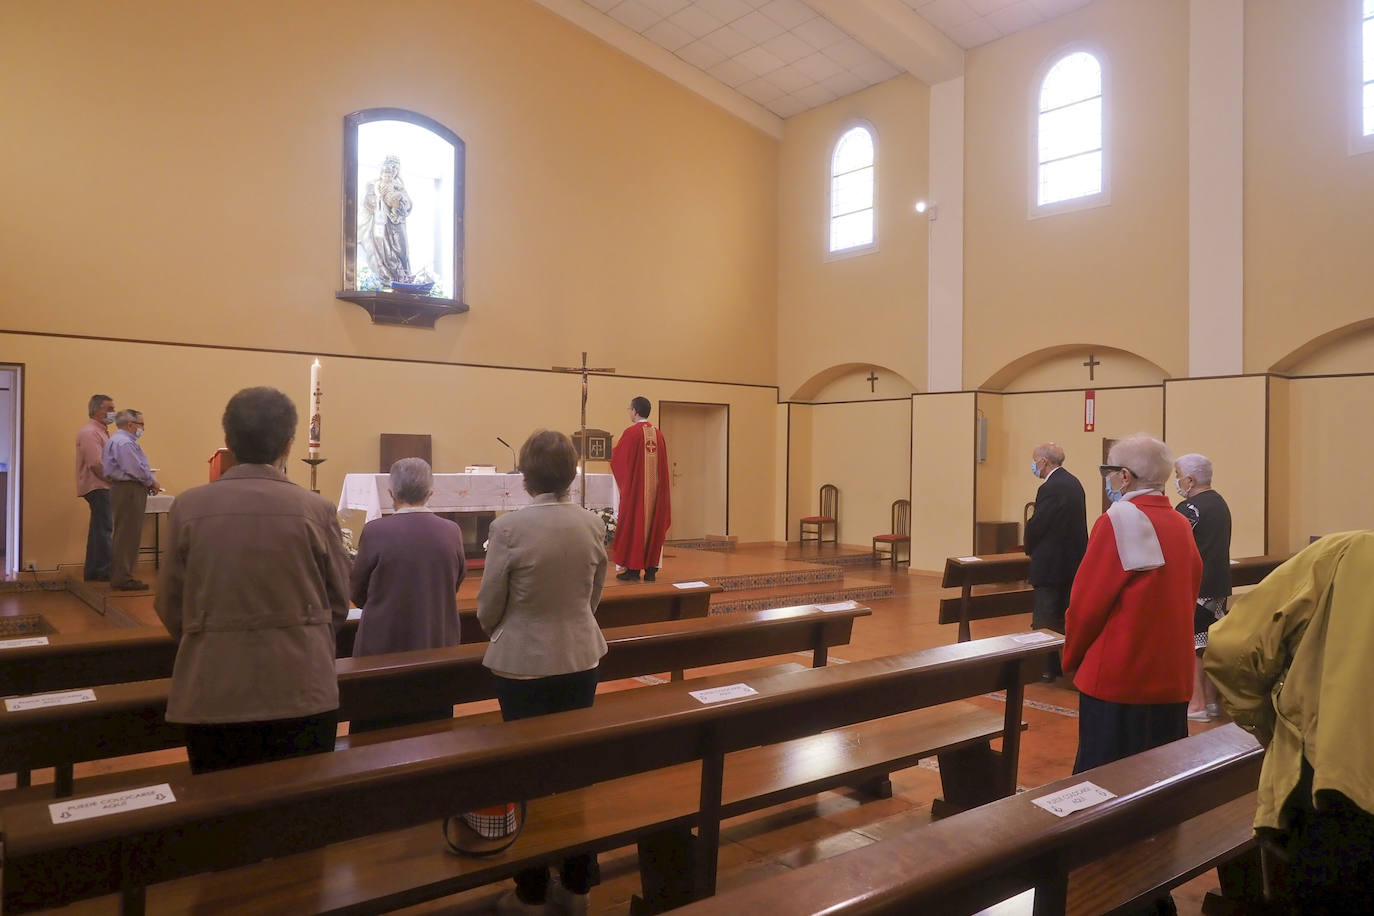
[[1294, 664]]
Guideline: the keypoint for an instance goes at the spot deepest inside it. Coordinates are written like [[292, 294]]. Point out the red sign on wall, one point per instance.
[[1089, 411]]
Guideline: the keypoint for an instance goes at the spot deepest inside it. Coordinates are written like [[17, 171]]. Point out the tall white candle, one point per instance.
[[314, 402]]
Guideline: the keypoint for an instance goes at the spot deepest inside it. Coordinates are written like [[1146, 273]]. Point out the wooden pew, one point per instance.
[[235, 817], [144, 653], [966, 572], [129, 718], [1193, 800]]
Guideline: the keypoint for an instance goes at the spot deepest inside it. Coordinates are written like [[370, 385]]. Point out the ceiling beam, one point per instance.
[[895, 31], [667, 63]]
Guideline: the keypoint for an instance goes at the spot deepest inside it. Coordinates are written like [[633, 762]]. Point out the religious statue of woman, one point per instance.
[[393, 203]]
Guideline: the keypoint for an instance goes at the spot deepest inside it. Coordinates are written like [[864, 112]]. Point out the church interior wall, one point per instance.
[[863, 448], [942, 478], [867, 307], [1280, 466], [1350, 353], [174, 188], [181, 185], [1225, 419], [1308, 223], [1329, 443], [801, 495], [1116, 274], [1064, 369], [363, 397], [1030, 418]]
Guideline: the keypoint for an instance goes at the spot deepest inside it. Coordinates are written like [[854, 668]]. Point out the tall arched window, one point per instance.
[[851, 191], [1367, 68], [1069, 131]]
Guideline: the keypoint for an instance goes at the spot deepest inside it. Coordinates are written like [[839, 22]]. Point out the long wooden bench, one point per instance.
[[1192, 801], [144, 653], [965, 573], [125, 719], [236, 817]]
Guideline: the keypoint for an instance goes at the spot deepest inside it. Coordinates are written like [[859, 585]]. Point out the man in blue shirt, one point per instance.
[[131, 480]]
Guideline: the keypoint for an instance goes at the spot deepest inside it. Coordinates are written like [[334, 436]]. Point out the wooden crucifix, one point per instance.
[[872, 380], [1092, 363], [585, 370]]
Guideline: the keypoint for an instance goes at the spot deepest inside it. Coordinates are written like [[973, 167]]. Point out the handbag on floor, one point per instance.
[[486, 831]]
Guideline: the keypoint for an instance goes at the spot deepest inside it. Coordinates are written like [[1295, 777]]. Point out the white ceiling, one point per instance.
[[787, 57]]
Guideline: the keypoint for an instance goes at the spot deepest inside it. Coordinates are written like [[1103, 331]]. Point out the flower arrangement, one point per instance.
[[607, 516], [349, 547]]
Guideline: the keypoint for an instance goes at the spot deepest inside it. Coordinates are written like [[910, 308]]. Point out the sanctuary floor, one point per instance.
[[776, 839]]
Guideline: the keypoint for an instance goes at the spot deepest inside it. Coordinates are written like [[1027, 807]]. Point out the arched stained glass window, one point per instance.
[[1069, 130], [851, 191]]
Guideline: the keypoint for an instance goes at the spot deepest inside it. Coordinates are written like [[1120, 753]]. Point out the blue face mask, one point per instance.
[[138, 433], [1035, 468], [1113, 495]]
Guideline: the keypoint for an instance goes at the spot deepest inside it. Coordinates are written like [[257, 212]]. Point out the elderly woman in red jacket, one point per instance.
[[1129, 627]]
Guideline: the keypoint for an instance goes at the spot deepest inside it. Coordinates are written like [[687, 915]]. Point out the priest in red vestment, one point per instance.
[[640, 464]]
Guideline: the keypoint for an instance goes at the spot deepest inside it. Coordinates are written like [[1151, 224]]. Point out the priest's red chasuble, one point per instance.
[[640, 464]]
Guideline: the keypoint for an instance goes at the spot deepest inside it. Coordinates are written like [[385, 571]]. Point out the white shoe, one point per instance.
[[562, 900], [510, 904]]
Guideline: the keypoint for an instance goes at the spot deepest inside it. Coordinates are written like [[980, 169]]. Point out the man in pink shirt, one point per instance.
[[92, 486]]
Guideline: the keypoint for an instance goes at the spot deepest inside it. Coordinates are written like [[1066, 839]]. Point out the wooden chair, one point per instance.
[[901, 533], [830, 511]]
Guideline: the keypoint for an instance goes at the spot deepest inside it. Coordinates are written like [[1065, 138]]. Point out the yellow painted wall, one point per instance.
[[181, 185], [990, 473], [1309, 226], [1330, 441], [801, 494], [1029, 419], [941, 478], [869, 308], [181, 181], [863, 449], [182, 391], [1353, 352], [1280, 465], [1114, 275], [1224, 419]]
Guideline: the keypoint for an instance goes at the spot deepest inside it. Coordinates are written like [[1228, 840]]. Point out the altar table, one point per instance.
[[469, 493]]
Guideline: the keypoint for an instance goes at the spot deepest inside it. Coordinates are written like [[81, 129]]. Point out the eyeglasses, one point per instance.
[[1105, 469]]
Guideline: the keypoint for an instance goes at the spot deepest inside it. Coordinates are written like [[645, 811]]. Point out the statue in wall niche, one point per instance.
[[387, 202]]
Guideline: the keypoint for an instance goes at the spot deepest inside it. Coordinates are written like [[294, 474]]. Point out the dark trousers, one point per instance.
[[1111, 731], [128, 499], [524, 700], [98, 544], [1329, 850], [221, 746], [1048, 604]]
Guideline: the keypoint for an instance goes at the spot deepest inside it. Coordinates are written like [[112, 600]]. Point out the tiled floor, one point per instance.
[[787, 836]]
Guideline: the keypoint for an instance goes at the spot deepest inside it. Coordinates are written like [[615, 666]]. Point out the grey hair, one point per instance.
[[1051, 452], [127, 416], [1198, 467], [1144, 456], [411, 481]]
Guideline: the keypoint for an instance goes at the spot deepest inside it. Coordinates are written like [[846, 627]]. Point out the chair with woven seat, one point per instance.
[[901, 534], [830, 511]]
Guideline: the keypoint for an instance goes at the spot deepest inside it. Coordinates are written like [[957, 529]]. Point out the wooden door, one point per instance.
[[698, 439]]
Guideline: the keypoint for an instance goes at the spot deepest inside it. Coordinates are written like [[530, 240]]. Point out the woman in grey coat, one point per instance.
[[540, 589]]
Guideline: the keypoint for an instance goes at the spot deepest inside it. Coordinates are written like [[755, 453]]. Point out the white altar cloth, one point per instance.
[[468, 493]]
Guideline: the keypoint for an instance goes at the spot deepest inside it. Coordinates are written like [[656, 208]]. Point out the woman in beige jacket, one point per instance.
[[541, 586]]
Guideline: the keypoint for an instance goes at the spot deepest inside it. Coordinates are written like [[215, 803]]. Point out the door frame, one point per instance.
[[16, 477], [659, 408]]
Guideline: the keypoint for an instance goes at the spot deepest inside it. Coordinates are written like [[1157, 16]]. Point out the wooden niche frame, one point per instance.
[[388, 306]]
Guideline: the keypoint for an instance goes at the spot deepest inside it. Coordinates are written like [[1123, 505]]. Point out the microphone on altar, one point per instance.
[[513, 462]]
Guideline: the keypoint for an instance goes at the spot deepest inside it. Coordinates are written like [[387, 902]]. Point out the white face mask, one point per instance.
[[109, 417], [1182, 490]]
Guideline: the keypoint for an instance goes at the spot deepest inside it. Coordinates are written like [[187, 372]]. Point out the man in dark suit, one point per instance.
[[1056, 537]]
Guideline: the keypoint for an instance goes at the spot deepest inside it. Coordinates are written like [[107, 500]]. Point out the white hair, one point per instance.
[[1144, 456], [411, 481], [1198, 467], [1051, 452], [125, 417]]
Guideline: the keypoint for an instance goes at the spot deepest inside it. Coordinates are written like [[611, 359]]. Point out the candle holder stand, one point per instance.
[[314, 464]]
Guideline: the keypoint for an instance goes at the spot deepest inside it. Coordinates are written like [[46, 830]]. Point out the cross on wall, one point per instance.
[[1092, 362], [872, 380]]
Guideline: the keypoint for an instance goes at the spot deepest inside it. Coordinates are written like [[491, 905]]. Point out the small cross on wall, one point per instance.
[[872, 380], [1092, 362]]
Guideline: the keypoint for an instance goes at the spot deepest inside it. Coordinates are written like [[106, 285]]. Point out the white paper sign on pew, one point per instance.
[[719, 694], [21, 643], [1074, 798], [44, 700], [81, 809]]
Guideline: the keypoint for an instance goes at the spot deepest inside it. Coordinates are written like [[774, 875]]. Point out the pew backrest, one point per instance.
[[120, 719], [237, 816]]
